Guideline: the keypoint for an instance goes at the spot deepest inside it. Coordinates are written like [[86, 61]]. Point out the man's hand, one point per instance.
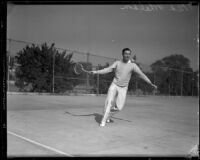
[[91, 72], [154, 86], [132, 60]]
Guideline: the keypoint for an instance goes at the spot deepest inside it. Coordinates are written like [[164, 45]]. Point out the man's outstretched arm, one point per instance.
[[105, 70], [143, 76]]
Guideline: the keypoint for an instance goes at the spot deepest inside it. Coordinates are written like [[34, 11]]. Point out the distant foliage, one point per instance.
[[36, 69], [174, 75]]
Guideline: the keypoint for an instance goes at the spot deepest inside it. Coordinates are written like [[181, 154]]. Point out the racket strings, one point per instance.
[[78, 68]]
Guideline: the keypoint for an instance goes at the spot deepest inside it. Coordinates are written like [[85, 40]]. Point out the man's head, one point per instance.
[[126, 53]]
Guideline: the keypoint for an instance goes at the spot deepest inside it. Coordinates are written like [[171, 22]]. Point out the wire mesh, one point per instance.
[[60, 77]]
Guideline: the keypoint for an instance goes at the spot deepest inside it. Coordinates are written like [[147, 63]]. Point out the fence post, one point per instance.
[[169, 83], [182, 82], [192, 83], [197, 84], [8, 65], [97, 84], [154, 81], [87, 75], [53, 80], [136, 87]]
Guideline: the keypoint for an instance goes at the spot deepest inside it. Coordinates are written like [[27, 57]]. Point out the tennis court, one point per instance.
[[50, 125]]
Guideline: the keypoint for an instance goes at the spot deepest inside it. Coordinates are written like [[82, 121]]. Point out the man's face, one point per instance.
[[126, 55]]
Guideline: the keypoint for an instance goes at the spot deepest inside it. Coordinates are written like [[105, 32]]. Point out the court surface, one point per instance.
[[49, 125]]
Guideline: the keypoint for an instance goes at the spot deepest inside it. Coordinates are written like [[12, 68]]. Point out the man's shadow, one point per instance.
[[98, 117]]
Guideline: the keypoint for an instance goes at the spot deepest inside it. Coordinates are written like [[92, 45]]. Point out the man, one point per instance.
[[118, 89]]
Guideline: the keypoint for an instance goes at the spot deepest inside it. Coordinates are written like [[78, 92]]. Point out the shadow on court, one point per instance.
[[97, 117]]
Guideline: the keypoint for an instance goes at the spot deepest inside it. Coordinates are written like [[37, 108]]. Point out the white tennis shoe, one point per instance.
[[108, 121], [114, 108], [102, 124]]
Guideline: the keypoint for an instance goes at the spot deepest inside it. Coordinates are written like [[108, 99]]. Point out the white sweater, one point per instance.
[[123, 72]]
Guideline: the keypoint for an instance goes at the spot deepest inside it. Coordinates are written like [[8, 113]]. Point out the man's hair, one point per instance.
[[126, 49]]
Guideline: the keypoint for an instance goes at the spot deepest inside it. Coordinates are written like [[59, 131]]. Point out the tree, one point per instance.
[[36, 69], [173, 75], [10, 66], [195, 83]]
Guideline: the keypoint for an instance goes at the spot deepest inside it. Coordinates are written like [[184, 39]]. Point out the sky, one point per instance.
[[151, 31]]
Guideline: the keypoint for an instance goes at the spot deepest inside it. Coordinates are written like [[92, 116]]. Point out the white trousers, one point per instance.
[[116, 97]]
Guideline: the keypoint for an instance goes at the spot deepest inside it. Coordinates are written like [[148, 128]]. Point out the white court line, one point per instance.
[[39, 144]]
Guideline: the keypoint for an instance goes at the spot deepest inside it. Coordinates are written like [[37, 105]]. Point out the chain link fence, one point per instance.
[[170, 81]]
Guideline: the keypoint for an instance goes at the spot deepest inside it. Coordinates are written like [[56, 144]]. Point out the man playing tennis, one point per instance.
[[118, 89]]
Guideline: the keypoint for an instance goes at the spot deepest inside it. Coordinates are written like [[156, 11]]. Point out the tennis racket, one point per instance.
[[78, 69], [133, 59]]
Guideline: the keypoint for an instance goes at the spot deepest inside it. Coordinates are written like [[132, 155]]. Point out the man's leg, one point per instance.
[[113, 111], [108, 103], [119, 102], [121, 97]]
